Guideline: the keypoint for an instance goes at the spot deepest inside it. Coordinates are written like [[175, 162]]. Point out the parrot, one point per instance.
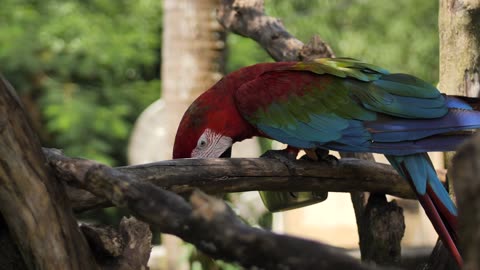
[[339, 104]]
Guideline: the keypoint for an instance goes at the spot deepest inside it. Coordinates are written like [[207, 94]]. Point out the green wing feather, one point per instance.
[[333, 104], [342, 67]]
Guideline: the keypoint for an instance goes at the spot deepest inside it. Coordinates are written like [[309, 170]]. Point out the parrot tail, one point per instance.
[[432, 195], [473, 102]]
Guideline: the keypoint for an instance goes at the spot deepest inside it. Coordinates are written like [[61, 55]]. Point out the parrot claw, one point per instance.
[[320, 155], [282, 155]]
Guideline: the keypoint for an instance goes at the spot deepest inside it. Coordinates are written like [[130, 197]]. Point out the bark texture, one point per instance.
[[465, 171], [125, 248], [381, 224], [32, 203], [246, 174], [204, 221], [247, 18], [459, 21]]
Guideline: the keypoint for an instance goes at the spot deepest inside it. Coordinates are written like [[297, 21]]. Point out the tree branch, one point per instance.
[[247, 18], [245, 174], [206, 222]]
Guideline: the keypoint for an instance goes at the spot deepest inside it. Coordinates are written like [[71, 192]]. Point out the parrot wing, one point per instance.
[[346, 105]]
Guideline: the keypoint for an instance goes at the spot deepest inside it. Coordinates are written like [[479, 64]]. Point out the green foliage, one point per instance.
[[401, 36], [91, 66]]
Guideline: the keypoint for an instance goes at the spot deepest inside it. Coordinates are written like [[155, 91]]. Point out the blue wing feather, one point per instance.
[[421, 172]]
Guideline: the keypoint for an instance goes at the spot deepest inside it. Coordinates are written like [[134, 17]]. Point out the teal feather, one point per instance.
[[422, 173]]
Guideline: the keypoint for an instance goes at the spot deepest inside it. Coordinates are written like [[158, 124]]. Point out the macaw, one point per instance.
[[337, 104]]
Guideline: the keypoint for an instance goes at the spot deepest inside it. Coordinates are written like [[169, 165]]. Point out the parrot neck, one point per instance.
[[224, 117]]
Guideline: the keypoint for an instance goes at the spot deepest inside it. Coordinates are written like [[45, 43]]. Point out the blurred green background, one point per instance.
[[86, 69]]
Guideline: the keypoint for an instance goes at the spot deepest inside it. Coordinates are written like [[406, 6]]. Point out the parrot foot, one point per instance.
[[284, 156], [281, 201], [320, 155]]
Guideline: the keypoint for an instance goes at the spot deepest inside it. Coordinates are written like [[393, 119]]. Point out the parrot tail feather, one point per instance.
[[443, 228], [432, 195], [463, 102]]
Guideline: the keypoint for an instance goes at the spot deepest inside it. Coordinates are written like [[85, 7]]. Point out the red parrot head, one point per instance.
[[211, 125], [202, 130]]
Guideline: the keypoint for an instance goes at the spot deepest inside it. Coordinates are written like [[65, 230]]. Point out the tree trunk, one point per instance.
[[193, 59], [465, 170], [459, 24], [34, 205]]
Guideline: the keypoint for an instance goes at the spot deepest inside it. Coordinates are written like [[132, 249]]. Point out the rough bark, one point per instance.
[[381, 230], [381, 224], [247, 174], [10, 257], [439, 259], [248, 18], [32, 203], [125, 248], [465, 171], [206, 222], [459, 21]]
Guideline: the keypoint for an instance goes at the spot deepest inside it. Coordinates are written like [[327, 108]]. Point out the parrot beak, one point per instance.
[[227, 153]]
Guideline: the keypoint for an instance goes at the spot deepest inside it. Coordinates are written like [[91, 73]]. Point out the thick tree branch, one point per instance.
[[245, 174], [32, 203], [206, 222]]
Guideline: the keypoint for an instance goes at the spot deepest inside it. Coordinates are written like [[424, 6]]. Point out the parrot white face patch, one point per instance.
[[211, 145]]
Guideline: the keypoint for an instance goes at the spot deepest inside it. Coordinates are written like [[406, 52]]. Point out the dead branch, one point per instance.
[[245, 174], [206, 222], [247, 18]]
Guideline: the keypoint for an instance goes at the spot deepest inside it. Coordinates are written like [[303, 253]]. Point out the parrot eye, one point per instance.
[[211, 145], [202, 141]]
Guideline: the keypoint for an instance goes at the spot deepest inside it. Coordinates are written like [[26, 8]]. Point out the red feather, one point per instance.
[[216, 108]]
